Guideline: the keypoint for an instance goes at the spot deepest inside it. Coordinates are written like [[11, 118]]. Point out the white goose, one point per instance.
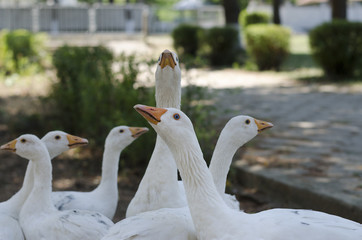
[[159, 187], [58, 142], [176, 223], [38, 217], [212, 218], [104, 198]]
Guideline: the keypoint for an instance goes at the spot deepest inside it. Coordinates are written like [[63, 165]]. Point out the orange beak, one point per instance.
[[10, 146], [75, 141], [262, 125], [151, 114], [137, 131], [167, 60]]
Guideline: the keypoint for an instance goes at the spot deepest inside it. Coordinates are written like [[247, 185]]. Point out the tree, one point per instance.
[[276, 14], [339, 9]]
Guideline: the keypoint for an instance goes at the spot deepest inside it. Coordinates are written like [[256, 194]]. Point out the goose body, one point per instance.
[[58, 142], [38, 217], [159, 187], [10, 228], [161, 224], [212, 218], [104, 198]]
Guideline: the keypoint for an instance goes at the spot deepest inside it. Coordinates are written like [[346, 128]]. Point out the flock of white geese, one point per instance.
[[163, 208]]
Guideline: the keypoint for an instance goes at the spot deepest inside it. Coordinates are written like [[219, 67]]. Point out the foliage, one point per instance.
[[5, 56], [223, 43], [337, 47], [89, 99], [246, 19], [187, 39], [21, 50], [268, 45]]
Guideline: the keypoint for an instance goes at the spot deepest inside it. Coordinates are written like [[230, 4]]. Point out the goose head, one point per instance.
[[167, 60], [121, 136], [27, 146], [241, 129], [170, 123], [58, 142], [168, 80]]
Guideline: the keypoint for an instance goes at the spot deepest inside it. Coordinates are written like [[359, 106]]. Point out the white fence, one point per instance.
[[74, 19], [130, 18], [305, 18]]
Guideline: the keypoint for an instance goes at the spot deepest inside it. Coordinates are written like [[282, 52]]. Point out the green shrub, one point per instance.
[[268, 45], [89, 99], [246, 19], [337, 47], [187, 39], [224, 45], [21, 50], [5, 57]]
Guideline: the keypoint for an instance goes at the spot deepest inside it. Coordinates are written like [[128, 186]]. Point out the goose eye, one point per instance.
[[176, 116], [121, 131], [23, 140], [176, 59], [57, 137], [247, 121], [159, 59]]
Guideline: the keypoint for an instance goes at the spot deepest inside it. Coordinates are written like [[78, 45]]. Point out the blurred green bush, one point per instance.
[[187, 39], [267, 44], [21, 52], [246, 19], [337, 47], [224, 45], [217, 46], [90, 99]]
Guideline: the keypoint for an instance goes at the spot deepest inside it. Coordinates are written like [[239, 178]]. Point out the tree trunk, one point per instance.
[[276, 14], [339, 9], [232, 10]]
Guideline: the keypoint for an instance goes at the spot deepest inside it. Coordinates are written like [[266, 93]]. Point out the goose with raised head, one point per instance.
[[57, 142], [237, 131], [104, 198], [211, 216], [159, 186], [176, 223], [38, 217]]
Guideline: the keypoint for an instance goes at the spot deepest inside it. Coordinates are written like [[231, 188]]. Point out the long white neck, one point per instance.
[[161, 173], [39, 199], [108, 184], [221, 160], [204, 201], [168, 88], [160, 179], [14, 204]]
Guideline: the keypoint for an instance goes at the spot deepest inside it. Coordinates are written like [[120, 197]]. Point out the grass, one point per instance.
[[300, 64], [300, 54]]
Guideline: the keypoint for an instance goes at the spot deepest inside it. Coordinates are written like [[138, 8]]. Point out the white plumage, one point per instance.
[[38, 217], [212, 218], [161, 224], [104, 198], [176, 223], [58, 142]]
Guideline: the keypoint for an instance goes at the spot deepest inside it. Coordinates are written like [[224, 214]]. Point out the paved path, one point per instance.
[[312, 158]]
